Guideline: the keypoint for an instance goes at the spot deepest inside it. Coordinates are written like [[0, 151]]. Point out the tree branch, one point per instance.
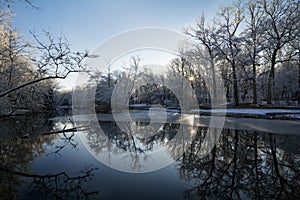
[[3, 94]]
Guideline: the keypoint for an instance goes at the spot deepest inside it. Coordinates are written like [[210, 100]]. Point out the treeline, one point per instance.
[[253, 46], [250, 49]]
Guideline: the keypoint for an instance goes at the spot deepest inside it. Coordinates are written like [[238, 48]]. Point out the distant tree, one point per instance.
[[286, 83]]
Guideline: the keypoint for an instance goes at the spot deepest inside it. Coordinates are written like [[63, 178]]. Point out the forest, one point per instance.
[[251, 47]]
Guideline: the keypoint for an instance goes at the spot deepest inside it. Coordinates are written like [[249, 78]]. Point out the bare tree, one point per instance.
[[55, 61], [16, 68], [280, 28], [28, 2], [252, 35], [205, 34], [228, 42], [126, 84]]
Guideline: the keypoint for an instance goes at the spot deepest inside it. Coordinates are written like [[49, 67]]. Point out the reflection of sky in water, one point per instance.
[[145, 148], [234, 163], [111, 183]]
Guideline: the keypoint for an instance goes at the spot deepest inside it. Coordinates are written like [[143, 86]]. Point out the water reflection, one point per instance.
[[25, 125], [137, 146], [243, 164], [24, 139]]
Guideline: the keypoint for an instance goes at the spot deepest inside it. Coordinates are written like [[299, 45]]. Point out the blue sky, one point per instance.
[[88, 23]]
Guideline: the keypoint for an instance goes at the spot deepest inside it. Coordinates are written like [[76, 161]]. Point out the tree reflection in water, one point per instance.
[[243, 164], [21, 142], [139, 138], [115, 141], [137, 145]]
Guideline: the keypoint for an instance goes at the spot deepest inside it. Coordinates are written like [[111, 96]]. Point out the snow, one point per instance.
[[293, 113], [247, 111], [288, 113], [140, 105]]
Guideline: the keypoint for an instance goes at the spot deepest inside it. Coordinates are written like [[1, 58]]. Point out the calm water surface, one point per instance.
[[39, 161]]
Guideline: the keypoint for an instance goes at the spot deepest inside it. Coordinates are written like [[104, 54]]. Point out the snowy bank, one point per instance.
[[251, 112]]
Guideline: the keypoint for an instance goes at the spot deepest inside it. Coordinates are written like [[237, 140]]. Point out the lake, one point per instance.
[[44, 157]]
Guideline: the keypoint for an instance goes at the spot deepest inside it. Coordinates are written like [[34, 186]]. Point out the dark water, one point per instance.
[[36, 163]]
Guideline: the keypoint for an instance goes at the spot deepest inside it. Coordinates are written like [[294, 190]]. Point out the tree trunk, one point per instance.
[[270, 84], [271, 78], [235, 87], [269, 89], [214, 86], [299, 69], [254, 87], [3, 94], [298, 91]]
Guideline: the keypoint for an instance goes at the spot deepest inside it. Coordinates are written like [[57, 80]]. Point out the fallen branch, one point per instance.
[[74, 129]]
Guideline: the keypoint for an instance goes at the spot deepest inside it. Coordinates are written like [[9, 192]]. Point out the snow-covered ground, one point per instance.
[[293, 113], [139, 105], [277, 113]]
